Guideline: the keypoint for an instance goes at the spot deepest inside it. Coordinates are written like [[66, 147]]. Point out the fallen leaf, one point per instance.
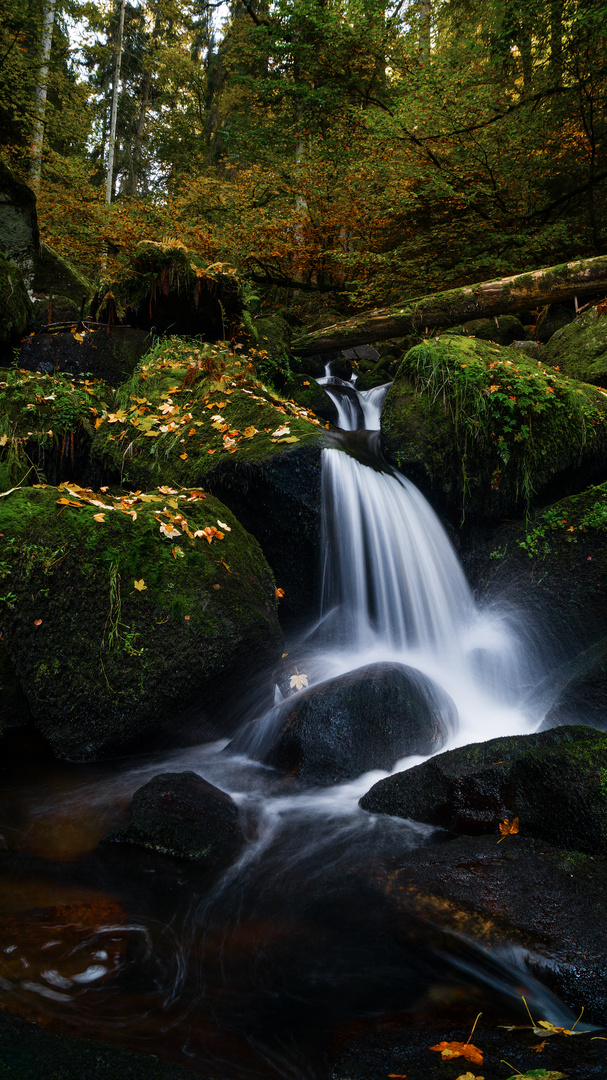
[[279, 593], [222, 525], [98, 517], [37, 622], [140, 585], [539, 1047], [183, 456], [284, 429], [298, 682], [469, 1076], [169, 530], [3, 440], [449, 1050], [68, 502], [249, 432], [178, 553], [508, 828]]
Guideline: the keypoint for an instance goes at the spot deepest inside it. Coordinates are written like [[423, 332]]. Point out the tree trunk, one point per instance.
[[109, 182], [485, 300], [134, 178], [48, 22]]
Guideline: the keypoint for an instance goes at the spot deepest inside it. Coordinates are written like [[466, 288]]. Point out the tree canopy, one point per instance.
[[350, 150]]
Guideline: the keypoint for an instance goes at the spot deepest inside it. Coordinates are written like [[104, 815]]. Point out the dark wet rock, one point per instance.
[[553, 781], [552, 319], [579, 349], [181, 814], [30, 1052], [54, 274], [361, 352], [581, 696], [111, 353], [307, 393], [534, 349], [19, 236], [14, 708], [106, 664], [366, 719]]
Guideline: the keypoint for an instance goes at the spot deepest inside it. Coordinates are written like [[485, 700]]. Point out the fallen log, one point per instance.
[[488, 298]]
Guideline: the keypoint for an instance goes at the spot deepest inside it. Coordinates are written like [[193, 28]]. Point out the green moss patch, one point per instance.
[[489, 427], [580, 349], [190, 407], [44, 420], [15, 305], [121, 611]]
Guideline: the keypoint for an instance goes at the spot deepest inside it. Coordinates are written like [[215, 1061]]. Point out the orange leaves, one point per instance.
[[508, 828], [279, 593], [467, 1050], [210, 533], [167, 529]]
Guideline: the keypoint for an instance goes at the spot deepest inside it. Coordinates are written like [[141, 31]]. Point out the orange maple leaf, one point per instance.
[[467, 1050], [508, 828]]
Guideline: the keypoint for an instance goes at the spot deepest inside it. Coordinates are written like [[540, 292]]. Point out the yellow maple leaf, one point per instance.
[[140, 585]]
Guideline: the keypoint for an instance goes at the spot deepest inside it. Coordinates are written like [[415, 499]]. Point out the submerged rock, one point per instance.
[[580, 348], [128, 611], [486, 432], [553, 781], [366, 719], [181, 814]]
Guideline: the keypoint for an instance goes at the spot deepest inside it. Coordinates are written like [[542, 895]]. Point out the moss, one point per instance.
[[580, 348], [566, 522], [15, 305], [46, 421], [102, 662], [490, 427], [54, 274], [188, 409]]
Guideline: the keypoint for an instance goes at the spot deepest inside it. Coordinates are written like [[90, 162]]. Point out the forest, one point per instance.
[[339, 155]]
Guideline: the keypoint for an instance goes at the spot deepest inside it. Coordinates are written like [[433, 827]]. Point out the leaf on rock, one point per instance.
[[539, 1074], [98, 517], [250, 431], [169, 530], [469, 1076], [508, 828], [140, 585], [298, 681], [449, 1050]]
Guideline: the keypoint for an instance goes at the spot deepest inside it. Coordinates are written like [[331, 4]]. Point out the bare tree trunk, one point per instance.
[[484, 300], [556, 40], [138, 143], [109, 182], [48, 22]]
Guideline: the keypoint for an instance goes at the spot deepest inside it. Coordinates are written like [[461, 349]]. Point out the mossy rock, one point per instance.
[[488, 432], [19, 236], [379, 375], [552, 319], [579, 349], [63, 310], [47, 424], [55, 274], [123, 618], [195, 415], [555, 782], [16, 309], [166, 287], [306, 392]]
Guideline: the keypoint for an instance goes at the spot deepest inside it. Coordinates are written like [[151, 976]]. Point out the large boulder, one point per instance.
[[44, 270], [553, 781], [579, 349], [366, 719], [488, 432], [183, 815], [132, 616], [16, 309], [111, 353], [198, 415]]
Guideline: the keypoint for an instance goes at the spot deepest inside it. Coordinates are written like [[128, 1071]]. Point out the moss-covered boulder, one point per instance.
[[111, 354], [55, 275], [166, 287], [555, 782], [487, 432], [183, 815], [365, 719], [503, 329], [16, 309], [128, 610], [199, 415], [306, 392], [47, 424], [579, 349], [19, 236]]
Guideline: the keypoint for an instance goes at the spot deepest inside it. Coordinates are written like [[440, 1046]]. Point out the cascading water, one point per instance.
[[250, 977]]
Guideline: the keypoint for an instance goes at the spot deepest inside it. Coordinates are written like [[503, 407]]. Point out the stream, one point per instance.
[[252, 972]]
